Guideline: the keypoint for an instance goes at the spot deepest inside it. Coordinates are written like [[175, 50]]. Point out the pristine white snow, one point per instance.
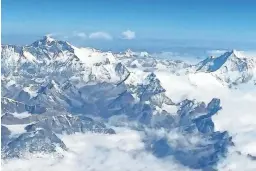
[[32, 93], [29, 56], [10, 83], [21, 115], [48, 38], [92, 56], [16, 129], [204, 79]]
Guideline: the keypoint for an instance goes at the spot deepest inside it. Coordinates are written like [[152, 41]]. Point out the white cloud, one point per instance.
[[52, 34], [81, 35], [100, 35], [100, 152], [236, 162], [128, 34], [216, 52], [237, 116]]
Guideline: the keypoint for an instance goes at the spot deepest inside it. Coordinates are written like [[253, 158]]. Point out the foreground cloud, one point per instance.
[[99, 152], [100, 35], [128, 34]]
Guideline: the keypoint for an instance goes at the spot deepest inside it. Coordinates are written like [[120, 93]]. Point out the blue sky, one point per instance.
[[219, 23]]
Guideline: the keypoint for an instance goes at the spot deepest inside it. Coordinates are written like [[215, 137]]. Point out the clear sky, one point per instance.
[[216, 23]]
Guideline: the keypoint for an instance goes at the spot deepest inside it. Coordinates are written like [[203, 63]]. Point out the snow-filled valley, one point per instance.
[[70, 108]]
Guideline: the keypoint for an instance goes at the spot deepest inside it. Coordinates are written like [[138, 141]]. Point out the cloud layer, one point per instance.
[[237, 116], [99, 152]]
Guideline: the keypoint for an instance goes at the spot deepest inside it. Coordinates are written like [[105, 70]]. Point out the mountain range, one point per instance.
[[51, 88]]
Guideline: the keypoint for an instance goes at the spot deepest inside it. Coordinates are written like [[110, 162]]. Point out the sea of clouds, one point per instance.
[[97, 152], [238, 115]]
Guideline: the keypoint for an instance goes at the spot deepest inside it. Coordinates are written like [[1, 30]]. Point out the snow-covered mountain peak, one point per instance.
[[48, 38], [132, 54], [237, 53], [93, 56], [45, 40], [55, 58], [229, 60], [151, 86], [48, 50], [231, 67], [129, 53], [151, 78], [49, 43], [233, 54]]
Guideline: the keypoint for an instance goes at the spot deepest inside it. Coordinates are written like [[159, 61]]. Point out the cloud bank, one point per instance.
[[237, 116], [98, 152]]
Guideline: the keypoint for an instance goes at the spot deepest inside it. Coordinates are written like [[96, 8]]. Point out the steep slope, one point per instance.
[[232, 68]]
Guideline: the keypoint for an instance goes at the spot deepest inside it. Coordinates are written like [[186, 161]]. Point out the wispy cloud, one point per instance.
[[80, 34], [100, 35], [53, 34], [83, 35], [128, 34]]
